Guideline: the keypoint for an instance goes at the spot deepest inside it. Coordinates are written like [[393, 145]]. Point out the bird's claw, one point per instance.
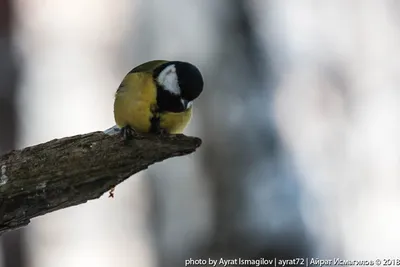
[[128, 132], [162, 132]]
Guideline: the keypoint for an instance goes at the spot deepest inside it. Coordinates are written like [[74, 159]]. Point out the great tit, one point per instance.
[[156, 97]]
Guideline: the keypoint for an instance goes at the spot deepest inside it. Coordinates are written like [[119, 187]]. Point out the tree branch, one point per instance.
[[70, 171]]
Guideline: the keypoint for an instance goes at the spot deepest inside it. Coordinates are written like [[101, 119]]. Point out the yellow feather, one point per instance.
[[175, 122], [134, 100]]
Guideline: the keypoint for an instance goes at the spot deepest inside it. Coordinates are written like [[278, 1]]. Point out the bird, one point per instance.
[[157, 97]]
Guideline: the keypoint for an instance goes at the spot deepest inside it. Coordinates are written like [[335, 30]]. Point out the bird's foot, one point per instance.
[[156, 128], [162, 132], [127, 133]]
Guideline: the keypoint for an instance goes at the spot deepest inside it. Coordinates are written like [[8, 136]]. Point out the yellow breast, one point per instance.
[[175, 122]]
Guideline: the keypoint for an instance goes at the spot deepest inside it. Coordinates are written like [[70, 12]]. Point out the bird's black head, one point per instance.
[[178, 84]]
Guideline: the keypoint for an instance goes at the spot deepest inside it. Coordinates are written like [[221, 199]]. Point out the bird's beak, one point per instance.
[[186, 104]]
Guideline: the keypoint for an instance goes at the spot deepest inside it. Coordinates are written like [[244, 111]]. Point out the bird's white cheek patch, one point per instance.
[[169, 80]]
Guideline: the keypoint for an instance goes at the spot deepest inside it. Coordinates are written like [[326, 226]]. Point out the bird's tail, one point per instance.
[[113, 130]]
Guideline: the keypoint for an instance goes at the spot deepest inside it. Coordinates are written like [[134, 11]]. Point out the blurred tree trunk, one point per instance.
[[254, 192], [13, 242]]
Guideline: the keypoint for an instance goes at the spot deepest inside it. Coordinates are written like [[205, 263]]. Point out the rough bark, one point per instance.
[[70, 171]]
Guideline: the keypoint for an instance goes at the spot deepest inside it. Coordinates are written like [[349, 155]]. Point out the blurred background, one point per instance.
[[299, 121]]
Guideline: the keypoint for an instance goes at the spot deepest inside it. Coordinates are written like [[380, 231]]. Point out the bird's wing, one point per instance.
[[148, 66]]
